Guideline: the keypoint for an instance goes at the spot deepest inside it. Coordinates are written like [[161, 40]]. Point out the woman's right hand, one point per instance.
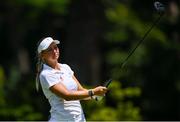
[[100, 90]]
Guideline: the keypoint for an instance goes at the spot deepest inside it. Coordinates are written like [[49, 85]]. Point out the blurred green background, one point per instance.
[[96, 36]]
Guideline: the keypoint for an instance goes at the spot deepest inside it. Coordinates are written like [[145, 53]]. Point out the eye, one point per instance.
[[49, 49], [55, 47]]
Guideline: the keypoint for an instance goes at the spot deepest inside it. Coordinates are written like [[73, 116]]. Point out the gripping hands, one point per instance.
[[99, 92]]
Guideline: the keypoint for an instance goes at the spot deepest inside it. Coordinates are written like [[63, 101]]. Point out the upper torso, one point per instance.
[[60, 108]]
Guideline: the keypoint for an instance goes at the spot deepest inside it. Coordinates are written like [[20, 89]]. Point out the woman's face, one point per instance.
[[51, 53]]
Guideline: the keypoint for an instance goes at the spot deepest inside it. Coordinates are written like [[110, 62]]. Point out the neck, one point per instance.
[[54, 65]]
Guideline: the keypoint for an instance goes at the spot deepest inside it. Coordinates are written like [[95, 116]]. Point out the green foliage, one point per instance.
[[125, 32], [13, 104], [104, 114], [21, 112], [127, 29], [156, 61], [117, 105], [152, 64], [56, 6], [126, 22], [2, 79]]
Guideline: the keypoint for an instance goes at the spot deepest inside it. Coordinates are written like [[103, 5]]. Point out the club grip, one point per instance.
[[106, 84]]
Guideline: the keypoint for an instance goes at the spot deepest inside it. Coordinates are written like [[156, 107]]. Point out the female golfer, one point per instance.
[[59, 84]]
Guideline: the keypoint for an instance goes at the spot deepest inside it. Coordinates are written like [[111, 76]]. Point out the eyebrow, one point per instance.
[[50, 48]]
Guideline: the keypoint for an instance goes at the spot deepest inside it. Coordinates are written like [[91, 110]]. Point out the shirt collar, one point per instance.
[[47, 67]]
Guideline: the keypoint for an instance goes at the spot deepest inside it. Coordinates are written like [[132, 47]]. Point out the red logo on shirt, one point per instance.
[[61, 78]]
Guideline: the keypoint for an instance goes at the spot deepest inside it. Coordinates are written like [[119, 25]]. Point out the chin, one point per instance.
[[57, 57]]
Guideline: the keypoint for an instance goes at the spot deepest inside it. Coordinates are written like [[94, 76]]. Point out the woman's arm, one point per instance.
[[60, 90], [80, 88]]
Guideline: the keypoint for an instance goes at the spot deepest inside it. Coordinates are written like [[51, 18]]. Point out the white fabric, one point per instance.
[[60, 108], [45, 44]]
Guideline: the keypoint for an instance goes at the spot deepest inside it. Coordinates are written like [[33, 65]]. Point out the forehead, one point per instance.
[[52, 44]]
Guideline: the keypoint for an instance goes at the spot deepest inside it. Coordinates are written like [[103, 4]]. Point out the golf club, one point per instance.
[[160, 9], [106, 84]]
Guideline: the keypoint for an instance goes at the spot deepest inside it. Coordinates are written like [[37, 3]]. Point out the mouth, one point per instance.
[[56, 55]]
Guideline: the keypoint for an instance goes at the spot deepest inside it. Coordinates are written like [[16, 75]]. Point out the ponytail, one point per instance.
[[39, 67]]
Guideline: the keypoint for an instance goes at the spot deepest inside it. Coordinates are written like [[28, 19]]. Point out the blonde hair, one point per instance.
[[39, 66]]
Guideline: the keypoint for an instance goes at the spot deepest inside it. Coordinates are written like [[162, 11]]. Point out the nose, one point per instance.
[[55, 49]]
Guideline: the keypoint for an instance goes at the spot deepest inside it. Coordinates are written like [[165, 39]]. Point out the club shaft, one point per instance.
[[145, 35]]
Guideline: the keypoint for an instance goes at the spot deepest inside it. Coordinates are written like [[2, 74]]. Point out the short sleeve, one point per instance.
[[49, 79]]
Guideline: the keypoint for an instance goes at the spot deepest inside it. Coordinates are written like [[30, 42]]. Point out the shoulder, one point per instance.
[[46, 72]]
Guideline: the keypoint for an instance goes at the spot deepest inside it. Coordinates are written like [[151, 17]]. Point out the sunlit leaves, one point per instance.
[[118, 35], [125, 20], [127, 111], [119, 97], [115, 57], [21, 113], [128, 29], [104, 114], [118, 93], [119, 14]]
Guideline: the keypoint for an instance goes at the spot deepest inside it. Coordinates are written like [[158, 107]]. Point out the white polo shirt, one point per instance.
[[60, 108]]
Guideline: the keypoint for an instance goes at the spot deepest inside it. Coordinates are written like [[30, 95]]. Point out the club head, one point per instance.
[[159, 7]]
